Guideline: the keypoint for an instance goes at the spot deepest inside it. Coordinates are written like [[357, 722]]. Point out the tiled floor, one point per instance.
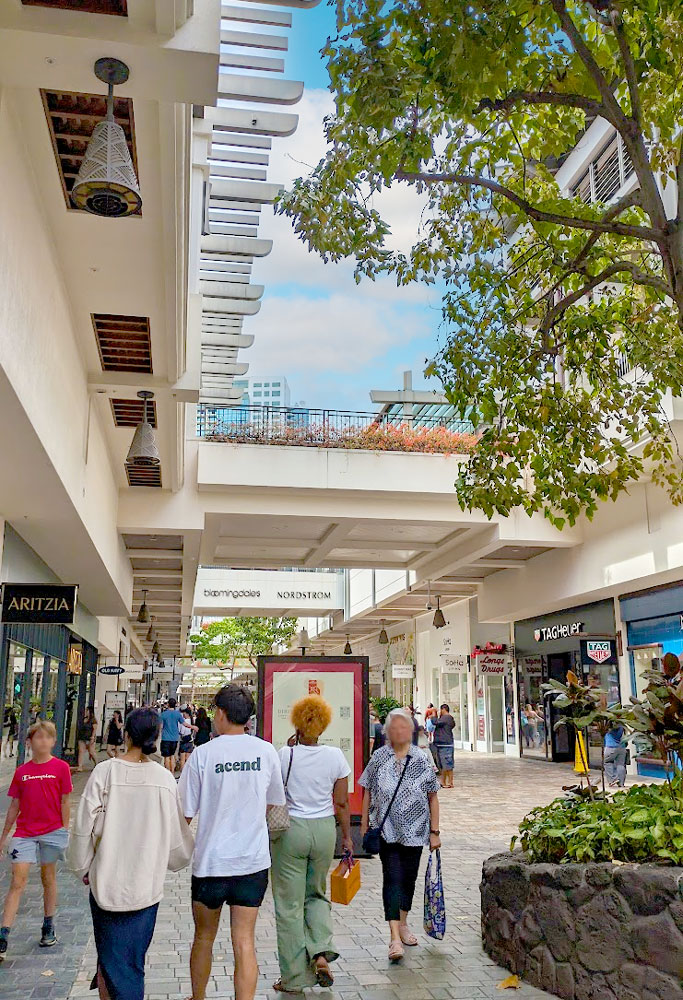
[[478, 817]]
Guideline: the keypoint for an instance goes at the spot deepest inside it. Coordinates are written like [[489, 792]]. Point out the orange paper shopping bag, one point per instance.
[[345, 880]]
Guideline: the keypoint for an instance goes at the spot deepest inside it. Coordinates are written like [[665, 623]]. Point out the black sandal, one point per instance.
[[279, 988], [323, 976]]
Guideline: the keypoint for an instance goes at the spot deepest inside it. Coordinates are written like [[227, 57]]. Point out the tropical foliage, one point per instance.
[[375, 437], [226, 641], [642, 824], [549, 292], [382, 707]]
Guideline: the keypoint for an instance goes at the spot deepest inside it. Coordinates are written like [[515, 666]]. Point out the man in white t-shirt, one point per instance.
[[229, 782]]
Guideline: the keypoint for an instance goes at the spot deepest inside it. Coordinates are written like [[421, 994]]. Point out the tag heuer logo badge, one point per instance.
[[537, 634], [599, 651]]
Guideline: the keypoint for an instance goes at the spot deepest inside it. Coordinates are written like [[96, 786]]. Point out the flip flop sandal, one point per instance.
[[408, 937], [323, 975], [279, 988], [395, 951]]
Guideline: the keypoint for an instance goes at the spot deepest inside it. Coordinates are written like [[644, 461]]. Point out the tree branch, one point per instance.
[[621, 267], [614, 211], [617, 23], [543, 97], [588, 59], [592, 225]]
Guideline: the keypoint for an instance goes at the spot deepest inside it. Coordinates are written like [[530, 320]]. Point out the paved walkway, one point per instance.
[[478, 818]]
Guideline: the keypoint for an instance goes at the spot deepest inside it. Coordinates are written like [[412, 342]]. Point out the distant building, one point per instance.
[[260, 390]]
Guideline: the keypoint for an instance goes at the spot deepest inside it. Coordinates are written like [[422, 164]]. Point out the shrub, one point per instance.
[[643, 824], [382, 707]]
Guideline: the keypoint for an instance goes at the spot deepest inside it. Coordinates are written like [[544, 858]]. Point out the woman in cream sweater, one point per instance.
[[129, 829]]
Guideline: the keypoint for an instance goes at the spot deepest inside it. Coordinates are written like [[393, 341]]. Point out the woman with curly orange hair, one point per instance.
[[316, 782]]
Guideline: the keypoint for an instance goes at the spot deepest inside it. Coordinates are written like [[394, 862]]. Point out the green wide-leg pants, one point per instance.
[[301, 860]]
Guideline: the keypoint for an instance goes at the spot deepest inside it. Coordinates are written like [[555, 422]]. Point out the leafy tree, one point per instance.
[[474, 104], [382, 707], [658, 718], [228, 640]]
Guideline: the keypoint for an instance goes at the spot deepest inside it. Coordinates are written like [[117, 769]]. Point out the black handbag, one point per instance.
[[371, 840]]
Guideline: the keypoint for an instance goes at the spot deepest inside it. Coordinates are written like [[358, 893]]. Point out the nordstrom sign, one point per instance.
[[225, 591]]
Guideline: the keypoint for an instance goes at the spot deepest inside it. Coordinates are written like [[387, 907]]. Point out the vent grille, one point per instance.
[[143, 475], [130, 412], [71, 119], [124, 342], [119, 7]]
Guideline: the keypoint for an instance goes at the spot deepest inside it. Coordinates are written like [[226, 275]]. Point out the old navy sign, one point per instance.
[[564, 630], [38, 604]]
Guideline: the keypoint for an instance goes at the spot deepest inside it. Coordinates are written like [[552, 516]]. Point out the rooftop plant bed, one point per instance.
[[375, 437]]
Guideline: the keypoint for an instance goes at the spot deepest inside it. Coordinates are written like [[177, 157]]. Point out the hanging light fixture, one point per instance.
[[347, 648], [303, 641], [143, 451], [156, 648], [143, 613], [439, 620], [151, 632], [383, 637], [106, 183]]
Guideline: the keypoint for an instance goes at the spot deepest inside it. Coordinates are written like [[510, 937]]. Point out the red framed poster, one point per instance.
[[342, 681]]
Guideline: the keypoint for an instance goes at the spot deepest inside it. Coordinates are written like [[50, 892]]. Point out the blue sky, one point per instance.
[[334, 340]]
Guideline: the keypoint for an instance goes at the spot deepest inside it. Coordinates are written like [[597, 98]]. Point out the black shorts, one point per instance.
[[168, 747], [231, 890]]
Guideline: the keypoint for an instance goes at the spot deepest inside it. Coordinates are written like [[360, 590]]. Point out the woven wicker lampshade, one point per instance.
[[143, 449], [106, 183]]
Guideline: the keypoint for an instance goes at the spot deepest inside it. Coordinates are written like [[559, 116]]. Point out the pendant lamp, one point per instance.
[[439, 620], [347, 648], [143, 451], [383, 637], [143, 613], [106, 183], [151, 632], [303, 641], [156, 647]]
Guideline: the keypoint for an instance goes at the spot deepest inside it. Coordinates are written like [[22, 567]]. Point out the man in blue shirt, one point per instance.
[[615, 757], [171, 720]]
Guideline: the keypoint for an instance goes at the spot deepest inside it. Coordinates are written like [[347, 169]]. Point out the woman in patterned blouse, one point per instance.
[[411, 823]]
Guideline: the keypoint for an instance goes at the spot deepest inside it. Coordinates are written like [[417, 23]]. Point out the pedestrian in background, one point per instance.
[[171, 721], [129, 830], [317, 787], [187, 730], [115, 734], [616, 754], [203, 724], [86, 737], [443, 745], [401, 797], [40, 807]]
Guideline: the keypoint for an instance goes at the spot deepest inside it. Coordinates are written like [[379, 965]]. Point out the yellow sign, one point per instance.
[[580, 755]]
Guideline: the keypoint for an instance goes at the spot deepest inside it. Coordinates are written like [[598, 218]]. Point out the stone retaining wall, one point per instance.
[[586, 932]]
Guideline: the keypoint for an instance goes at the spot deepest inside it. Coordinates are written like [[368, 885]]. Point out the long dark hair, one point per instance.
[[202, 721], [142, 729]]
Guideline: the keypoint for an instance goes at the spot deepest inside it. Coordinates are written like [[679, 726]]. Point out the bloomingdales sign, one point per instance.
[[564, 630], [220, 591]]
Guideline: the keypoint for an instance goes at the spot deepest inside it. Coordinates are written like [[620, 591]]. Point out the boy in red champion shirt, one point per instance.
[[40, 805]]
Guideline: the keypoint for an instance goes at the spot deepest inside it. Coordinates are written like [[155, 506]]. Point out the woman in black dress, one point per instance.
[[203, 723], [86, 738], [115, 735]]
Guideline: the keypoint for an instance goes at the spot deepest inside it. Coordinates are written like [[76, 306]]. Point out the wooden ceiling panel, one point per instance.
[[117, 7], [124, 342], [71, 119], [129, 412]]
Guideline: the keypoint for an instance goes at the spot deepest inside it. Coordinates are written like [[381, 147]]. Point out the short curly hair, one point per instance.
[[311, 716]]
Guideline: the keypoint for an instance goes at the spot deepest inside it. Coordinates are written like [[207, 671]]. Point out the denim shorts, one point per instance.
[[44, 850]]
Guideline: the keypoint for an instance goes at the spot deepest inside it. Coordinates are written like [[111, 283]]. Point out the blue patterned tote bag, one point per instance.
[[435, 906]]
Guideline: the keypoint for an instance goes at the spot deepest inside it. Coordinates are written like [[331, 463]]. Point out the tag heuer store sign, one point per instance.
[[38, 604]]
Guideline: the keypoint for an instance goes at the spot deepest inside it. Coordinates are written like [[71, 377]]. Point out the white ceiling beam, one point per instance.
[[224, 289], [234, 190], [234, 306], [256, 15], [223, 368], [242, 87], [237, 155], [254, 39], [224, 229], [220, 170], [500, 563], [330, 540], [242, 340], [154, 553], [224, 266], [264, 64], [238, 139], [236, 245], [273, 123]]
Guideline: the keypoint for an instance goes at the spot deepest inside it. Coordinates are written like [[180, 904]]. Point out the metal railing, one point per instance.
[[313, 427]]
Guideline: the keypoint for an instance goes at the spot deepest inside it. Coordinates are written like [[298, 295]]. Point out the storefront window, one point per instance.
[[454, 688]]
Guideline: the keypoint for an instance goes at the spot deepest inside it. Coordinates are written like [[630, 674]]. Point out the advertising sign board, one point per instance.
[[342, 682], [221, 590], [38, 604]]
